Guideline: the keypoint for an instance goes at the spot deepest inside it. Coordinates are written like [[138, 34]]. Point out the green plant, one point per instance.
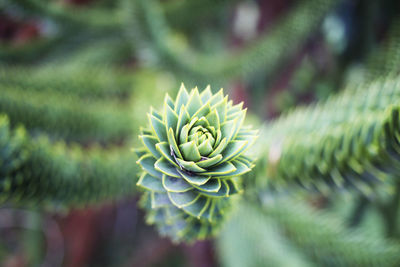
[[192, 158], [150, 28], [337, 144], [75, 80], [87, 81], [37, 173], [73, 119], [287, 232]]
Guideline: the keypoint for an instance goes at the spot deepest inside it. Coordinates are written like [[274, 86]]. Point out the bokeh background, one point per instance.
[[80, 75]]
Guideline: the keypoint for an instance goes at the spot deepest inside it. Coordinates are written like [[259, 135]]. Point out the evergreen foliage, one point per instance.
[[36, 173], [292, 234], [150, 26], [385, 59], [71, 119], [88, 82], [192, 162], [74, 93], [337, 144]]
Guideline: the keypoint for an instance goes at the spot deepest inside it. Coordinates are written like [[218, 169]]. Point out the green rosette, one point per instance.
[[192, 157]]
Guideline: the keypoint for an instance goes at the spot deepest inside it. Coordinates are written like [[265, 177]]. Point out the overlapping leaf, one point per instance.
[[339, 144], [192, 156]]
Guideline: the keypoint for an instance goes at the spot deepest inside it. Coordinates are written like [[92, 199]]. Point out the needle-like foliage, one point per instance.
[[192, 156]]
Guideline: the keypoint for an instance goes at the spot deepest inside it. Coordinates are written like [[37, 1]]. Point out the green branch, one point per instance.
[[326, 240], [186, 14], [35, 173], [250, 238], [72, 16], [265, 54], [89, 82], [73, 26], [386, 58], [341, 143], [67, 116]]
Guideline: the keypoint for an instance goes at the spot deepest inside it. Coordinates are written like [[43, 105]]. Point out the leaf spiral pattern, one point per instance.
[[192, 157]]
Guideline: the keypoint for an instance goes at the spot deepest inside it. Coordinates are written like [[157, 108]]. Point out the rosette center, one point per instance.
[[203, 138], [197, 140]]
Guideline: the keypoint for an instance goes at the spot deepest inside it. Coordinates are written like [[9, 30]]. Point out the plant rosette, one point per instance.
[[192, 159]]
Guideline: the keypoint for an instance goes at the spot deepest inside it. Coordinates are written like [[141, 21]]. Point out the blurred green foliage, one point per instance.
[[77, 78]]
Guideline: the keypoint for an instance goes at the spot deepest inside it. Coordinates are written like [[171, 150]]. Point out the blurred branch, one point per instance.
[[85, 82], [268, 52], [326, 240], [72, 16], [70, 26], [38, 174], [251, 238], [186, 14], [72, 118], [386, 58], [339, 144]]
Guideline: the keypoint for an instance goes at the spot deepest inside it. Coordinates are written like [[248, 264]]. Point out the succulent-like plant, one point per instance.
[[192, 156]]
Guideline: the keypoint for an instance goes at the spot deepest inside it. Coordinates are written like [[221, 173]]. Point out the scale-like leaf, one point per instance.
[[213, 119], [150, 183], [228, 129], [150, 143], [182, 98], [206, 94], [183, 119], [221, 146], [190, 151], [184, 198], [158, 128], [173, 184], [165, 150], [223, 191], [203, 111], [162, 165], [171, 118], [194, 103], [209, 162], [205, 148], [159, 200], [168, 100], [190, 166], [233, 149], [218, 97], [221, 109], [221, 169], [197, 208], [147, 163], [212, 185], [241, 168], [173, 144], [193, 178]]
